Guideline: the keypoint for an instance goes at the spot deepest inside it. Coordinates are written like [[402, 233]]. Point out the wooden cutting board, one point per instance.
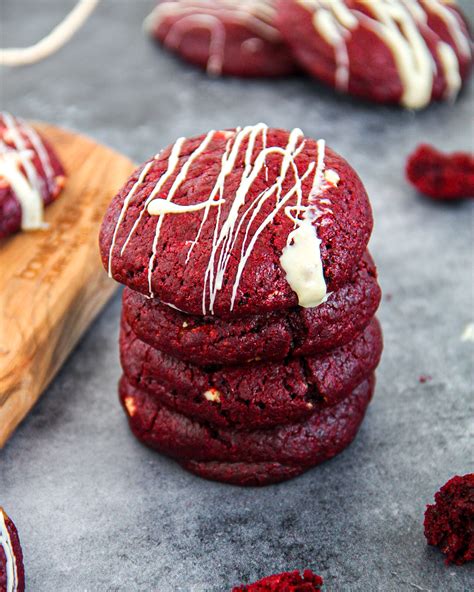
[[52, 283]]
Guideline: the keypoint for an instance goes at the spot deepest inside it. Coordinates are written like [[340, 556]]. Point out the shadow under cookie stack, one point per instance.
[[248, 339]]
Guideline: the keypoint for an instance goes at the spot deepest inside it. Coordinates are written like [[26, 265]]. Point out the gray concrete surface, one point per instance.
[[97, 511]]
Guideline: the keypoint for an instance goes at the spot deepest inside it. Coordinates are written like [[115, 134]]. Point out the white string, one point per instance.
[[58, 37]]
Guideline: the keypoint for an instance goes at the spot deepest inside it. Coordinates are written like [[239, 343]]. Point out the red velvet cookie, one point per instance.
[[299, 331], [230, 455], [291, 581], [259, 395], [449, 522], [389, 52], [31, 176], [238, 222], [223, 36], [12, 573]]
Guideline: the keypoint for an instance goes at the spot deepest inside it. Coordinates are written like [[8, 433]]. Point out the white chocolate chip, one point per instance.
[[213, 395], [332, 177], [130, 406]]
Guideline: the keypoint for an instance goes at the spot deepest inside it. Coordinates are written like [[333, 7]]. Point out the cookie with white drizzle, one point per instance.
[[253, 396], [205, 341], [12, 573], [31, 176], [223, 36], [408, 52], [230, 455], [217, 224]]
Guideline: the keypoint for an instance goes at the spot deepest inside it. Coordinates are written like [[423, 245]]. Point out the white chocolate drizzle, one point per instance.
[[301, 258], [257, 15], [11, 566], [50, 44], [161, 206], [18, 144], [249, 147], [399, 24], [30, 200]]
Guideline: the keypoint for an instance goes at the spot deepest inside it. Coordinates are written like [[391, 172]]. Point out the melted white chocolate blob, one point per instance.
[[301, 260]]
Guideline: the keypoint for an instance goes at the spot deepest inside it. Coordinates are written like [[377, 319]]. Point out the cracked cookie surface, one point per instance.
[[252, 396]]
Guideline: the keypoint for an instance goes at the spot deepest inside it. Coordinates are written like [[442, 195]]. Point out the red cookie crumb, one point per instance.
[[285, 582], [449, 522], [441, 176]]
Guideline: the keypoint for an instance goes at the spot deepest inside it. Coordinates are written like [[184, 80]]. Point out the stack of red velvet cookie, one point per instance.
[[248, 339]]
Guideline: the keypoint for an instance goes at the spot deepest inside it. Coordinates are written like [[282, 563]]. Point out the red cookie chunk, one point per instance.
[[253, 396], [449, 522], [12, 573], [285, 582], [299, 331], [31, 176], [408, 53], [441, 176], [259, 457], [223, 36], [225, 206]]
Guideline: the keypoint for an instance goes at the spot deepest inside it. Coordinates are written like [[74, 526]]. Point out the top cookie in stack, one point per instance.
[[249, 303]]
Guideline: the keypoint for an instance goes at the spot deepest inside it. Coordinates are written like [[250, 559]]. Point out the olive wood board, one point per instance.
[[52, 281]]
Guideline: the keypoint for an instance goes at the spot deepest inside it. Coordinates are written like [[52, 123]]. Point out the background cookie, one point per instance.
[[31, 176], [298, 331], [389, 52], [225, 205], [223, 36], [12, 573]]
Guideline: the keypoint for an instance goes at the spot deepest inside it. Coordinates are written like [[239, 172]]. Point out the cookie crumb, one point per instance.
[[468, 333], [441, 176], [449, 522], [285, 582], [425, 378]]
